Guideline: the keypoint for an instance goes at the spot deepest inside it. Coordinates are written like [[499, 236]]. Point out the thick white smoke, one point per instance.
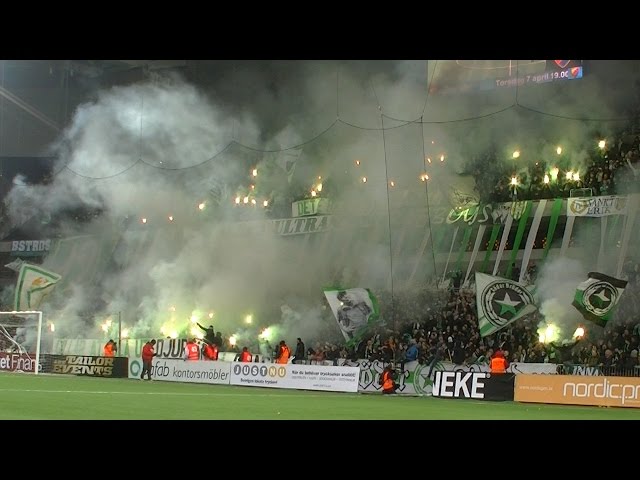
[[555, 289]]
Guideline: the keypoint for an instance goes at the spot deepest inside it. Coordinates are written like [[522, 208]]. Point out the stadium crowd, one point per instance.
[[443, 325]]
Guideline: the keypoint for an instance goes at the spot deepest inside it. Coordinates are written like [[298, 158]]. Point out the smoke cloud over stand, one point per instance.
[[162, 162]]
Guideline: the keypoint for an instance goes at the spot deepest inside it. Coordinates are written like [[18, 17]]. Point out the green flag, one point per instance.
[[597, 297], [356, 310], [34, 284], [500, 301]]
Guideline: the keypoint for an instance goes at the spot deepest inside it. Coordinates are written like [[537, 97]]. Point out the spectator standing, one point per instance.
[[563, 351], [608, 362], [369, 349], [400, 355], [333, 354], [148, 352], [209, 334], [412, 352], [459, 354], [300, 354]]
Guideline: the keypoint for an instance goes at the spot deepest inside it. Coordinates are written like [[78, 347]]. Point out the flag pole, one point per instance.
[[119, 333]]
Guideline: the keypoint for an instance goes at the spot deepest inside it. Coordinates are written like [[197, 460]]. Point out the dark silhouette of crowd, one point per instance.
[[608, 168]]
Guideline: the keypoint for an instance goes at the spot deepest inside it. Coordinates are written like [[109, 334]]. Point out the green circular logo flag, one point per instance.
[[503, 301], [600, 297]]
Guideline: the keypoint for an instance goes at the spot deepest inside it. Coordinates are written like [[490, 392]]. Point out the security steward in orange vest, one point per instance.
[[498, 363], [283, 353], [110, 349], [191, 350], [387, 381]]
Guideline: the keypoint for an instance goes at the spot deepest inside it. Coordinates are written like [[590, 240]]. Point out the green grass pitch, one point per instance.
[[64, 397]]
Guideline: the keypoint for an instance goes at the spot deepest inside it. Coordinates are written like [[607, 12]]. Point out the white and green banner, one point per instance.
[[310, 206], [500, 301], [597, 297], [596, 206], [34, 284], [355, 309], [474, 253], [503, 243], [531, 239], [522, 227]]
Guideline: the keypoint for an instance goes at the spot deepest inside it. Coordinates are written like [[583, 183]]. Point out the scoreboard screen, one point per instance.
[[461, 76]]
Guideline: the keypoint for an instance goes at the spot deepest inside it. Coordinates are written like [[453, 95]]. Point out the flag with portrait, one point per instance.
[[355, 309]]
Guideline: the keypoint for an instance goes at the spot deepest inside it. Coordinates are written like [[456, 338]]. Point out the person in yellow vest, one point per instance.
[[499, 364], [191, 350], [110, 349], [283, 353], [387, 380]]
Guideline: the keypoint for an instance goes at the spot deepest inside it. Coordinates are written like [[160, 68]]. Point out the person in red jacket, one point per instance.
[[148, 352], [244, 355], [191, 350], [210, 351]]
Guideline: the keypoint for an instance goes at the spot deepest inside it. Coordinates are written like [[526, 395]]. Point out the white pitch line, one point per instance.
[[211, 394]]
